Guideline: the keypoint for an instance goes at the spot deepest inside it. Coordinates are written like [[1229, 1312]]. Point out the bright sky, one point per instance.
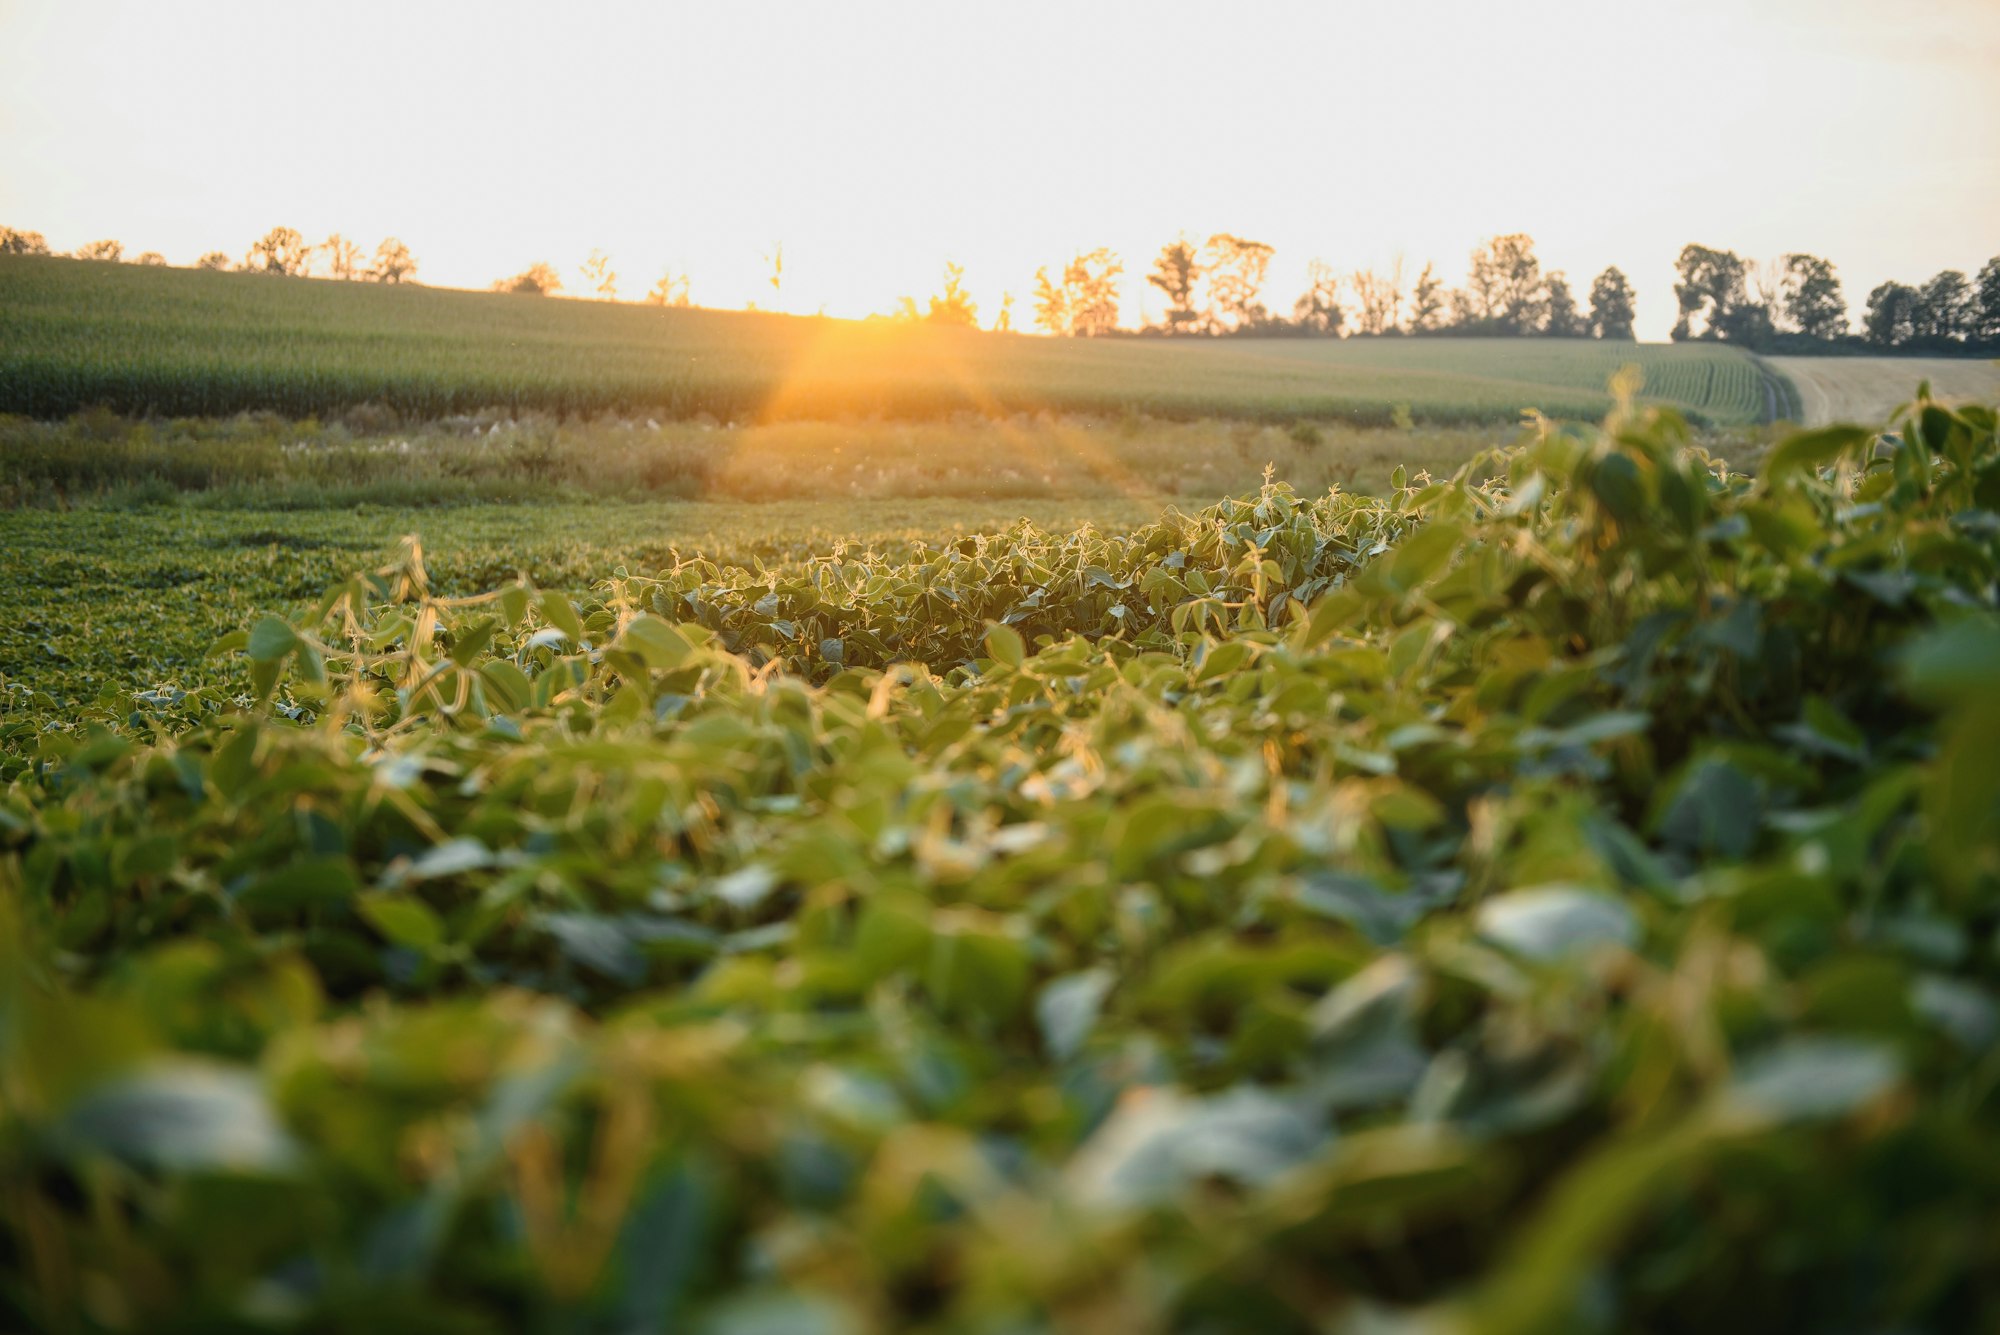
[[876, 141]]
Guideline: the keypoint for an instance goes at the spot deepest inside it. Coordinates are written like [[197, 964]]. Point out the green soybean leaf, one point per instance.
[[187, 1116], [1805, 1078], [558, 612], [1553, 922], [404, 920], [1808, 450], [1004, 645], [471, 642], [270, 639], [1067, 1008], [660, 645]]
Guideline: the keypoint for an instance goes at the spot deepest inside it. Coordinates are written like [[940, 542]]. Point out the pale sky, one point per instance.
[[877, 141]]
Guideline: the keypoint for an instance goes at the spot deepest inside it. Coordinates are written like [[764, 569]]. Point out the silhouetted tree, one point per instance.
[[1986, 302], [279, 251], [152, 259], [1236, 267], [1943, 308], [1375, 300], [1426, 301], [1093, 279], [14, 242], [1525, 293], [343, 257], [1051, 304], [1084, 301], [1611, 305], [1505, 284], [107, 251], [1811, 297], [214, 259], [1889, 319], [670, 290], [1318, 307], [954, 305], [598, 277], [1765, 282], [537, 280], [1003, 323], [1562, 319], [1712, 285], [1748, 324], [393, 262], [1177, 273], [1479, 302]]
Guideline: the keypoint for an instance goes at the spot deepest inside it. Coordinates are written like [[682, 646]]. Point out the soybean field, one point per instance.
[[1556, 896]]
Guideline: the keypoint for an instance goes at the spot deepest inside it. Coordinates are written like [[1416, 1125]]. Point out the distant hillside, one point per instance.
[[178, 342]]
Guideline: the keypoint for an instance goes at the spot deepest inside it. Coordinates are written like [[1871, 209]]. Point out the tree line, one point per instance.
[[597, 278], [1217, 288], [285, 251], [282, 250], [1213, 289], [1792, 304], [1795, 303]]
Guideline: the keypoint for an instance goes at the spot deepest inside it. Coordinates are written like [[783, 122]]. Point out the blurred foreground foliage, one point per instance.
[[1565, 900]]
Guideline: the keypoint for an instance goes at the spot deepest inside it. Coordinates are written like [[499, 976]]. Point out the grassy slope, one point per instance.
[[177, 342]]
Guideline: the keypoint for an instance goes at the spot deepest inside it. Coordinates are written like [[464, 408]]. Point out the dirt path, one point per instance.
[[1867, 389]]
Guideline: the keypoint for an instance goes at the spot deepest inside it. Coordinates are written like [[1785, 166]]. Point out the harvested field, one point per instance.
[[1867, 389]]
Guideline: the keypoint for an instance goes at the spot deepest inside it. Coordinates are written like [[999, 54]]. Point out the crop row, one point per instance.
[[74, 335]]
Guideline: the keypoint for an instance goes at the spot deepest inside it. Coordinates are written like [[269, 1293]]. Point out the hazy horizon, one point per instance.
[[878, 142]]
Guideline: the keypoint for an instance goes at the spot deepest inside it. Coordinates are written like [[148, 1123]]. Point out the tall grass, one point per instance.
[[265, 460]]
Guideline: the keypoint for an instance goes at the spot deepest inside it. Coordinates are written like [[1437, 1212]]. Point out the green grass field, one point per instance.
[[166, 342], [263, 461]]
